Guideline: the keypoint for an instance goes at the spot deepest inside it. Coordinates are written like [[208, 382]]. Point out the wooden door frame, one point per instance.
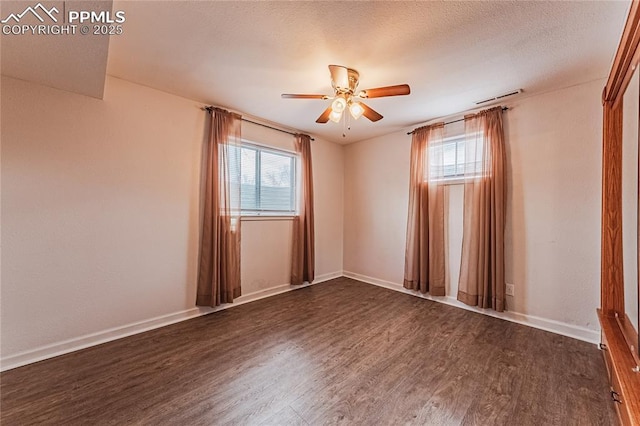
[[619, 357]]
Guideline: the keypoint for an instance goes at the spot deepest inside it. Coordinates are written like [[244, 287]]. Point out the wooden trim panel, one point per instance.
[[624, 381], [612, 288], [630, 336], [617, 331], [621, 71]]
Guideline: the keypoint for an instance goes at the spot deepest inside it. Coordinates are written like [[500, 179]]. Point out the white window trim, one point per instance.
[[268, 147], [451, 179], [455, 180], [259, 215], [252, 218]]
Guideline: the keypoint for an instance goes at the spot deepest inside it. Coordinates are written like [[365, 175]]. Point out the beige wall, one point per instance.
[[553, 223], [100, 212], [266, 244]]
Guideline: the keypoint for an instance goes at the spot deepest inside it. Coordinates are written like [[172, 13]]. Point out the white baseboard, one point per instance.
[[92, 339], [82, 342], [569, 330]]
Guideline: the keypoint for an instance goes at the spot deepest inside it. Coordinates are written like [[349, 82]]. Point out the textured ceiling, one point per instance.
[[243, 55], [75, 63]]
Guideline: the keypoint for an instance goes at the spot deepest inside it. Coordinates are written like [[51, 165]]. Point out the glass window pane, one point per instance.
[[275, 181], [275, 170], [232, 154], [248, 162], [460, 157], [455, 157], [449, 154], [267, 180], [248, 191], [435, 155]]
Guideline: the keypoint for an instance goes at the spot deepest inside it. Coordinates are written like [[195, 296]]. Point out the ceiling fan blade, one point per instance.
[[324, 117], [339, 76], [296, 96], [380, 92], [370, 113]]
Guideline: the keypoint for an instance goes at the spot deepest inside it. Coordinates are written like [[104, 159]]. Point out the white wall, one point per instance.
[[100, 213], [553, 214]]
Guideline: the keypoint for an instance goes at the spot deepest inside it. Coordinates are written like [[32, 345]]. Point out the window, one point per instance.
[[452, 159], [268, 181]]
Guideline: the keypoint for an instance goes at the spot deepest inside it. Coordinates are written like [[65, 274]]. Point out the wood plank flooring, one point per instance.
[[341, 352]]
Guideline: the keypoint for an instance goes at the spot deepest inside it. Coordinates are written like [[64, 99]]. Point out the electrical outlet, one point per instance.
[[509, 289]]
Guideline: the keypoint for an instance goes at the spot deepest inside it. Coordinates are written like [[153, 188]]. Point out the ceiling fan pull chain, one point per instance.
[[344, 126]]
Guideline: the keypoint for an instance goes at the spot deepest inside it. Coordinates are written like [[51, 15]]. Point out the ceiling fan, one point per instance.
[[345, 82]]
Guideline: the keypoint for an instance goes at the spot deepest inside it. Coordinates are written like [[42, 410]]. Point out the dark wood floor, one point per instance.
[[339, 352]]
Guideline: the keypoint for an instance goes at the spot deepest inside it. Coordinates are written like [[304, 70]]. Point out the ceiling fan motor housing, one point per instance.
[[346, 85]]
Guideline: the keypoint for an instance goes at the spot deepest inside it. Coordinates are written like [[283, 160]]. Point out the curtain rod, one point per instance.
[[210, 108], [454, 121]]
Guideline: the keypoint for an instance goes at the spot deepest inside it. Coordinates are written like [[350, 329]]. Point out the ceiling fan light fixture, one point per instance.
[[345, 83], [356, 110], [339, 105], [335, 116]]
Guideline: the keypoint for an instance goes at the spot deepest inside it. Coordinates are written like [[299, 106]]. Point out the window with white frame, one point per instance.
[[454, 158], [267, 181]]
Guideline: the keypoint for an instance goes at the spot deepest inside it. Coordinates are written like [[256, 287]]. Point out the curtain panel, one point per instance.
[[219, 262], [424, 269], [303, 256], [482, 281]]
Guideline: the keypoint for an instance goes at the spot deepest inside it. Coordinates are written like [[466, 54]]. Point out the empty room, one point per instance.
[[307, 213]]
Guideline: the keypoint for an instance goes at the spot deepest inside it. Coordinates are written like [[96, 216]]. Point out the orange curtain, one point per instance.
[[424, 268], [219, 269], [303, 258], [482, 281]]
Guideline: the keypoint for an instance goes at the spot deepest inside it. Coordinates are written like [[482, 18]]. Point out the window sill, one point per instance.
[[265, 217], [455, 181], [458, 181]]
